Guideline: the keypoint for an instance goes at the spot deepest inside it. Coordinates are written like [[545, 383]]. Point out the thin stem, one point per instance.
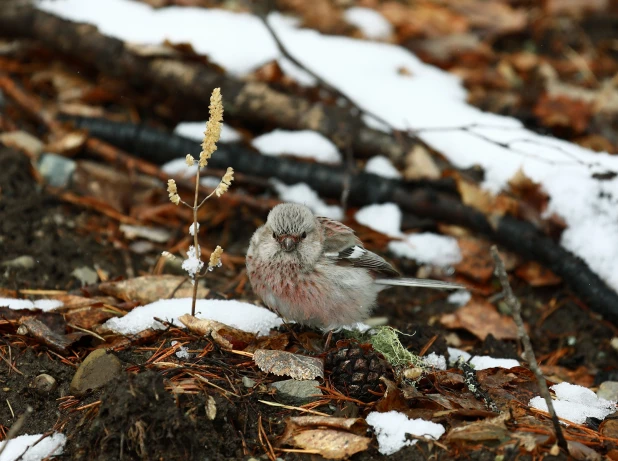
[[195, 242], [515, 307]]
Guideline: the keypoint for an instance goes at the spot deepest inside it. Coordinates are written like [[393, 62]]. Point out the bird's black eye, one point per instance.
[[274, 236], [304, 235]]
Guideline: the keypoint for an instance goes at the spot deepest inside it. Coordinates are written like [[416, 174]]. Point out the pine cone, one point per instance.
[[355, 370]]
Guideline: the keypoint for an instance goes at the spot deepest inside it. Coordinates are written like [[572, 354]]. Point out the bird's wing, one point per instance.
[[344, 248], [357, 256], [337, 236]]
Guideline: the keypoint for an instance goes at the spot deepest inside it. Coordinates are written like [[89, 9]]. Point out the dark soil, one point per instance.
[[34, 223]]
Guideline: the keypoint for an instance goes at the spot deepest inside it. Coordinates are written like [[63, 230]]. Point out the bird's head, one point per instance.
[[294, 227]]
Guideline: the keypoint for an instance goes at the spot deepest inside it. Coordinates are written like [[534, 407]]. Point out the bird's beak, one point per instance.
[[288, 243]]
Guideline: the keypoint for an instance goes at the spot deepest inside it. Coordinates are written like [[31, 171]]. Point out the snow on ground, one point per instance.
[[305, 195], [243, 316], [371, 23], [384, 218], [43, 304], [425, 99], [393, 428], [49, 446], [576, 403], [460, 297], [481, 362], [382, 166], [428, 248], [304, 143], [195, 131]]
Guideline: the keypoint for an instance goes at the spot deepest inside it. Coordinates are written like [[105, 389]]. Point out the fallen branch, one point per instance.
[[191, 84], [529, 356]]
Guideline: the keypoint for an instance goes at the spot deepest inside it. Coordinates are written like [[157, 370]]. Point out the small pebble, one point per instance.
[[21, 262], [44, 384], [608, 390], [248, 382]]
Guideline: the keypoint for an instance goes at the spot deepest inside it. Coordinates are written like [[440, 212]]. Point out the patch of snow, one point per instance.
[[178, 167], [428, 248], [392, 429], [193, 264], [305, 195], [244, 316], [576, 403], [382, 166], [304, 144], [210, 181], [370, 22], [49, 446], [384, 218], [192, 227], [435, 361], [182, 352], [481, 362], [195, 131], [43, 304], [460, 297]]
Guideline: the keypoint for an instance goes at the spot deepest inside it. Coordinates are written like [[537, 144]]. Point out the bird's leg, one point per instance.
[[329, 337]]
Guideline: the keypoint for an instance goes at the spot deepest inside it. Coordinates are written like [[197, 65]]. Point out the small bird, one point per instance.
[[316, 272]]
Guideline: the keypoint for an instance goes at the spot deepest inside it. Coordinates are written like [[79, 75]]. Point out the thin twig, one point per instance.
[[529, 356], [15, 428]]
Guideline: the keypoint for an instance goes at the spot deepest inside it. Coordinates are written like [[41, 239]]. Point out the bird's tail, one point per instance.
[[422, 283]]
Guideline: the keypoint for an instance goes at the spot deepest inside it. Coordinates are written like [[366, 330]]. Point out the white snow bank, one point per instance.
[[428, 248], [575, 403], [382, 166], [370, 22], [425, 98], [49, 446], [243, 316], [305, 195], [304, 144], [43, 304], [392, 429], [384, 218], [481, 362]]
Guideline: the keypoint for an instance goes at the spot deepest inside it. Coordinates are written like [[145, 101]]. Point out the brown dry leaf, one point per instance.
[[530, 192], [226, 336], [272, 342], [582, 376], [88, 317], [488, 429], [355, 425], [476, 262], [150, 288], [422, 20], [491, 17], [331, 437], [574, 8], [480, 318], [23, 141], [420, 164], [67, 142], [482, 200], [285, 363], [561, 111], [329, 443], [537, 275], [54, 340], [609, 428]]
